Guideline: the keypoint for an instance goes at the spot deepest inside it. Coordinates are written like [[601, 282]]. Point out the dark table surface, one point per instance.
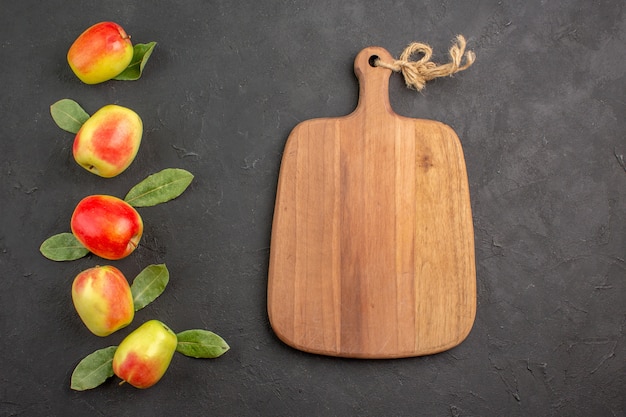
[[541, 116]]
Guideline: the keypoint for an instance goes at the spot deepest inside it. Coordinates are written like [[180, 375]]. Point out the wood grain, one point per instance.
[[372, 247]]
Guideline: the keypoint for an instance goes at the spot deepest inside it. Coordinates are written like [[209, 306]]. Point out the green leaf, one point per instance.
[[159, 188], [200, 343], [93, 369], [149, 284], [63, 247], [68, 115], [141, 54]]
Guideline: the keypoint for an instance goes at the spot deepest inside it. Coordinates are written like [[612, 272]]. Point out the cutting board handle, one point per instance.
[[373, 82]]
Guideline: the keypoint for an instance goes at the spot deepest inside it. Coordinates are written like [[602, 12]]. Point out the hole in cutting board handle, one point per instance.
[[372, 60]]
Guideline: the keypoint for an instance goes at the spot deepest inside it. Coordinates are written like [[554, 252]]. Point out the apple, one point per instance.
[[142, 358], [103, 300], [108, 141], [100, 53], [107, 226]]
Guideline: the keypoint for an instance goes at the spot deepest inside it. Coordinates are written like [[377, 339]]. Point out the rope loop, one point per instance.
[[417, 73]]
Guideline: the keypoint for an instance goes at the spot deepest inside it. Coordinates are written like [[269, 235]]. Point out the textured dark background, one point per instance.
[[541, 119]]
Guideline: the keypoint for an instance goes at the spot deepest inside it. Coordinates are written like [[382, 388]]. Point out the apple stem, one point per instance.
[[122, 382]]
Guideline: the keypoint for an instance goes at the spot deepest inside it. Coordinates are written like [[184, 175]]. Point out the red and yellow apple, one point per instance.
[[100, 53], [103, 299], [108, 141], [107, 226], [142, 358]]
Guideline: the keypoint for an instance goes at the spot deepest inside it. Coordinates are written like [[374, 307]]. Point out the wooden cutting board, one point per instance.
[[372, 246]]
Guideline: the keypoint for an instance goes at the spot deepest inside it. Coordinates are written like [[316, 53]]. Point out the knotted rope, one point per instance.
[[417, 73]]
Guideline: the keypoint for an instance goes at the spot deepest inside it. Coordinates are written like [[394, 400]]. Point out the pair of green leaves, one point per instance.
[[68, 114], [97, 367], [155, 189]]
